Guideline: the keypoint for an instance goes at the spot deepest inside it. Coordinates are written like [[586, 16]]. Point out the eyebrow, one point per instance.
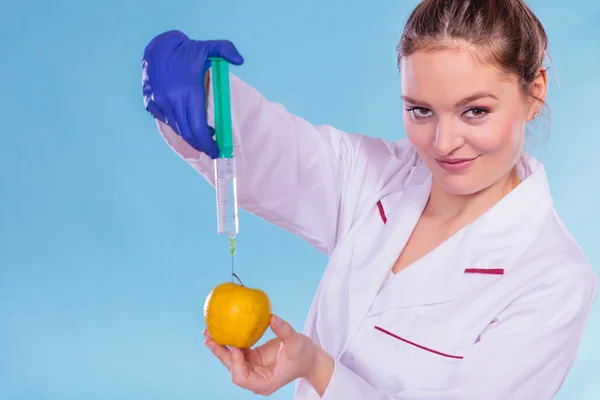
[[464, 101]]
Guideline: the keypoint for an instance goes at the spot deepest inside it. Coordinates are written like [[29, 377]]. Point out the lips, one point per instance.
[[456, 160], [456, 164]]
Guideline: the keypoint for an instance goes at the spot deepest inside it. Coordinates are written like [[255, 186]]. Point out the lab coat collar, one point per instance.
[[500, 235], [493, 241]]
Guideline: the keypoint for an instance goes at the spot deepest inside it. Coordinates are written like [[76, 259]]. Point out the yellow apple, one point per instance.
[[236, 315]]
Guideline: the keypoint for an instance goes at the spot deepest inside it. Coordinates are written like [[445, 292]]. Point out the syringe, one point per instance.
[[224, 165]]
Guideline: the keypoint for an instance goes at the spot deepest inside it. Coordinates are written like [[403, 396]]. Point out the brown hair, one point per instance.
[[504, 33]]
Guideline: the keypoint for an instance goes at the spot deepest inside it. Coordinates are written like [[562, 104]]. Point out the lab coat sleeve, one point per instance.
[[289, 172], [525, 353]]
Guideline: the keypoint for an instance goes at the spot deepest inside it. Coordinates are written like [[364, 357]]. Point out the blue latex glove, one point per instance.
[[173, 70]]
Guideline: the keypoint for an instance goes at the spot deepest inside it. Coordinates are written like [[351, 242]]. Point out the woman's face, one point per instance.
[[466, 119]]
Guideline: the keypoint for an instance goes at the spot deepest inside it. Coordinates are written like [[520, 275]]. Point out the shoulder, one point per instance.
[[398, 151], [543, 253], [381, 167], [554, 262], [381, 162], [554, 246], [373, 169], [389, 152]]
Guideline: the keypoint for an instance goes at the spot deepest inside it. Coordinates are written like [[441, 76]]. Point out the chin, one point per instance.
[[459, 185]]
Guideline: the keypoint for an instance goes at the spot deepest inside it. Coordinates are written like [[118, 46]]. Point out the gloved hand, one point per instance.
[[173, 70]]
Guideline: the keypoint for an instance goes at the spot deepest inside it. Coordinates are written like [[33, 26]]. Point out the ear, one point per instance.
[[538, 90]]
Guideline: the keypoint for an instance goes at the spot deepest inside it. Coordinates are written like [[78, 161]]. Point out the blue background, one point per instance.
[[108, 241]]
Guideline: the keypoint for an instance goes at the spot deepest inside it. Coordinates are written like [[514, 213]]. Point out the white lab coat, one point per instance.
[[495, 312]]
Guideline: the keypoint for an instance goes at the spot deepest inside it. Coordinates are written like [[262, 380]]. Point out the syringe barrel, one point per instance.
[[222, 107], [225, 185], [225, 179]]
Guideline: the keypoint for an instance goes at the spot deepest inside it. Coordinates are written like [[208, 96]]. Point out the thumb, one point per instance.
[[284, 331], [226, 50]]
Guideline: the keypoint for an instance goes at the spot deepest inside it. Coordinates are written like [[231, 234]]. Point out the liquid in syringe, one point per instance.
[[226, 188]]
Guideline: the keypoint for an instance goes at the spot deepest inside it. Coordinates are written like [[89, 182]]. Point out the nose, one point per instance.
[[447, 137]]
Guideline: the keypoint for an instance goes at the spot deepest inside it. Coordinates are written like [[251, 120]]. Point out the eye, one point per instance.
[[476, 113], [419, 113]]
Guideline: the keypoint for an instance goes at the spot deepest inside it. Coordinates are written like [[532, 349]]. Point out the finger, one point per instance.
[[284, 331], [170, 118], [268, 351], [221, 352], [240, 371], [161, 108], [168, 39], [226, 50], [155, 111], [184, 128], [198, 125]]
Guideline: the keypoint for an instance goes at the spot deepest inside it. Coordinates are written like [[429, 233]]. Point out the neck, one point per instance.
[[448, 207]]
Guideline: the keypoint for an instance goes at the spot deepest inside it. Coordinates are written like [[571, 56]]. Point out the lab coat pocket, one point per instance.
[[404, 350]]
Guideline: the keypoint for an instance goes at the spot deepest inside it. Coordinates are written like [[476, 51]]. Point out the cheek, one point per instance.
[[505, 136], [422, 136]]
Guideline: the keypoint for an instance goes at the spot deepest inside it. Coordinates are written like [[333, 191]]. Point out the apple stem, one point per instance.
[[236, 277]]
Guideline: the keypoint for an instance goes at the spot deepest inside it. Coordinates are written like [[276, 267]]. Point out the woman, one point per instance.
[[451, 276]]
